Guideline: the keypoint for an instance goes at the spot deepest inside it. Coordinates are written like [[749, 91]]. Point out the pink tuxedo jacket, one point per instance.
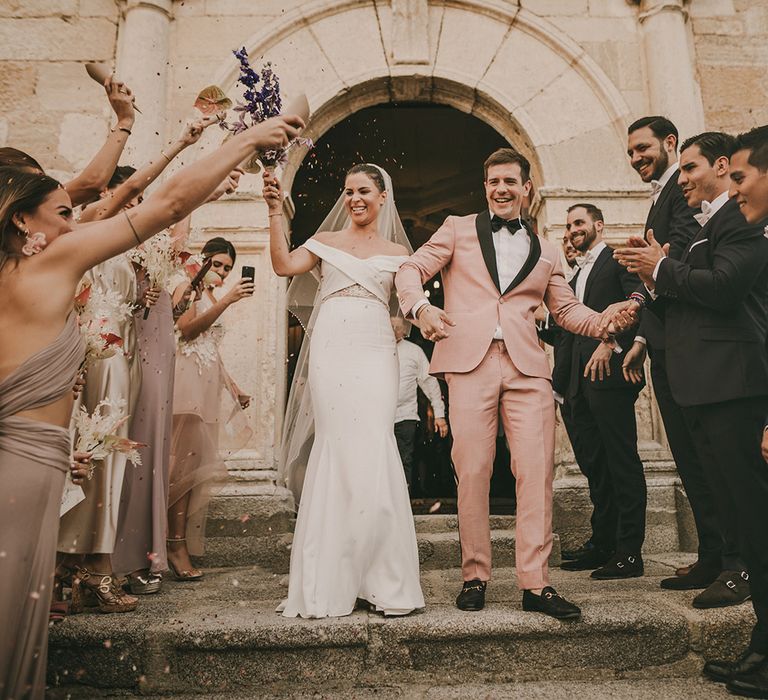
[[462, 249]]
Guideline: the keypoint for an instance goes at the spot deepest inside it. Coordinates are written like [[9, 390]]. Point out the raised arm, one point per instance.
[[144, 176], [90, 183], [97, 241], [285, 262]]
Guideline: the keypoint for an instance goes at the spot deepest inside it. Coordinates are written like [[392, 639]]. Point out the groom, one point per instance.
[[496, 272]]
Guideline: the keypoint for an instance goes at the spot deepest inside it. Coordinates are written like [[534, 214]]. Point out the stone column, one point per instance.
[[672, 86], [142, 55]]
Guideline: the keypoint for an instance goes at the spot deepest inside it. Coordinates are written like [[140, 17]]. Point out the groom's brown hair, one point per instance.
[[508, 155]]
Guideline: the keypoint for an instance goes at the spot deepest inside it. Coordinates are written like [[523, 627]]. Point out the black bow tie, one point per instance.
[[512, 224]]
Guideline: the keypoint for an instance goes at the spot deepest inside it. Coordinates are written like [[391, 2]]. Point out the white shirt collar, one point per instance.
[[658, 185], [709, 209], [591, 255]]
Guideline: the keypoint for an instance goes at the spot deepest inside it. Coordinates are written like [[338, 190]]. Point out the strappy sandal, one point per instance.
[[186, 574], [93, 590]]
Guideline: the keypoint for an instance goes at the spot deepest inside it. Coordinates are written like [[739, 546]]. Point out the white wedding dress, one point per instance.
[[355, 536]]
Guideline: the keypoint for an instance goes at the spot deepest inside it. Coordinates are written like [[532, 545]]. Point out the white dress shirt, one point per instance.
[[587, 262], [708, 210], [414, 371], [658, 185], [512, 250]]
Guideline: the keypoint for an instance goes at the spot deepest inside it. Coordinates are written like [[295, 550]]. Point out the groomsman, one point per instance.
[[602, 410], [716, 299], [652, 149]]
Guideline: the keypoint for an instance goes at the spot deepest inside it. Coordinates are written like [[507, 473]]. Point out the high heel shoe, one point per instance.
[[93, 590], [186, 574]]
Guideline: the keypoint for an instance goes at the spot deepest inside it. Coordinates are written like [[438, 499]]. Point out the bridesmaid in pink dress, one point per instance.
[[205, 398]]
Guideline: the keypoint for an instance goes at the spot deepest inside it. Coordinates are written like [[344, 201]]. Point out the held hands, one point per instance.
[[641, 256], [432, 322], [617, 318], [79, 382], [121, 100], [242, 289], [599, 365], [632, 367], [81, 468], [272, 192]]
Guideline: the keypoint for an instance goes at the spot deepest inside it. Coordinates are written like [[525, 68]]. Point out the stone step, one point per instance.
[[450, 522], [437, 549], [223, 636], [668, 688]]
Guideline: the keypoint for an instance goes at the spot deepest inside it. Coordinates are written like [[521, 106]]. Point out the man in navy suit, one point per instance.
[[716, 324]]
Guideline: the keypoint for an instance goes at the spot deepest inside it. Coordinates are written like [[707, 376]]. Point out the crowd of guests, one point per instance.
[[134, 520], [699, 277]]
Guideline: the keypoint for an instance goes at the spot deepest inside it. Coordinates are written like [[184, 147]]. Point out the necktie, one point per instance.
[[513, 225], [706, 213], [655, 187]]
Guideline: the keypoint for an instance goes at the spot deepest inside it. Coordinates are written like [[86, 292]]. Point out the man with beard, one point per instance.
[[652, 149], [601, 404], [716, 299]]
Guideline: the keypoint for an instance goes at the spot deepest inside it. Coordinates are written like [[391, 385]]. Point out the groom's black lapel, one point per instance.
[[483, 226], [530, 263]]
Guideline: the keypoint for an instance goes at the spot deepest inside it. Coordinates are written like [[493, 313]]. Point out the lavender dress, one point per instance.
[[34, 459], [142, 523]]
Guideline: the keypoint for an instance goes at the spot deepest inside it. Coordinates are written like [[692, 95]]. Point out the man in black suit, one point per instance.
[[652, 148], [716, 299], [602, 411]]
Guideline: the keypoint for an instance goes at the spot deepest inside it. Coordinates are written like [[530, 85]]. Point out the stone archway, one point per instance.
[[527, 80]]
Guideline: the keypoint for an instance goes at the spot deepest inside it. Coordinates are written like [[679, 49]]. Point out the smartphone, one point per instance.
[[249, 273]]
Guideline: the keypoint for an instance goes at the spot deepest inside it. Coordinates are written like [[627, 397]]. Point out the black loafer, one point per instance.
[[751, 684], [472, 596], [723, 671], [699, 576], [620, 566], [592, 559], [551, 603], [729, 588], [578, 553]]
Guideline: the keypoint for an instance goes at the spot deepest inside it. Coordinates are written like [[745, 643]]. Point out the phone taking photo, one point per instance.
[[249, 272]]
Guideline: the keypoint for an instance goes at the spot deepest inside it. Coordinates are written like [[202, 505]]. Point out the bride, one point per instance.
[[354, 537]]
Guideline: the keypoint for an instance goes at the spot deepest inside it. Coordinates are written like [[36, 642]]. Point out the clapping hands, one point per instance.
[[641, 256]]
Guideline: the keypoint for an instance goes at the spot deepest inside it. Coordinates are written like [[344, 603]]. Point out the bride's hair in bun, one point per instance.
[[372, 172], [217, 246]]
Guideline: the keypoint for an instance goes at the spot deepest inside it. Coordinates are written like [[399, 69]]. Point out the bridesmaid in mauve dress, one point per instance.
[[43, 256]]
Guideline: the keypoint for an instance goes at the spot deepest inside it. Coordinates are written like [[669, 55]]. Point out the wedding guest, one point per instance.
[[602, 411], [652, 149], [43, 256], [88, 531], [140, 549], [749, 674], [716, 299], [88, 185], [205, 399], [414, 374]]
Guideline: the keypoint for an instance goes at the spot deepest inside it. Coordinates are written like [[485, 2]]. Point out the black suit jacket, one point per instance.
[[608, 282], [562, 343], [672, 222], [716, 307]]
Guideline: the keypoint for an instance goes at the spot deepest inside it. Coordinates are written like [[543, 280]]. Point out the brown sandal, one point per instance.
[[186, 574], [93, 590]]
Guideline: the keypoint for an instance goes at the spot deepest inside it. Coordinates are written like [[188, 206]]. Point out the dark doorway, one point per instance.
[[434, 155]]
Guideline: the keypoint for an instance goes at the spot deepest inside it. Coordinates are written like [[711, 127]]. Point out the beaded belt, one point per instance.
[[354, 290]]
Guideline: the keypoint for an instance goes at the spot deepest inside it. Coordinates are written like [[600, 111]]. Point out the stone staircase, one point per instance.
[[222, 638]]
